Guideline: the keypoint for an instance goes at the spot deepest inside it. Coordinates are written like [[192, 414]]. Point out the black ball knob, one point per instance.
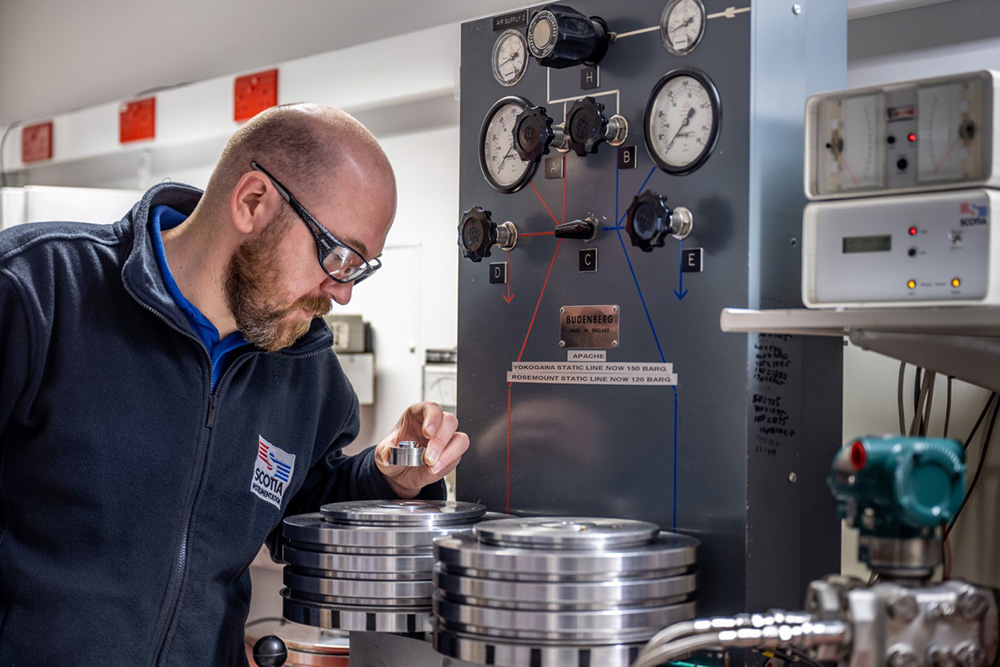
[[270, 651], [560, 36], [586, 126], [532, 133], [648, 221]]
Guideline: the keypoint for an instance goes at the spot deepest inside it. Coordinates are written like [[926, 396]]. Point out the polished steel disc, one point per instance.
[[313, 529], [373, 576], [534, 595], [337, 563], [370, 551], [668, 552], [567, 533], [361, 619], [424, 513], [360, 588], [625, 625], [510, 653]]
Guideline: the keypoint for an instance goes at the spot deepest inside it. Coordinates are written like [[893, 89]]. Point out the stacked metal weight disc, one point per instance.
[[367, 565], [559, 591]]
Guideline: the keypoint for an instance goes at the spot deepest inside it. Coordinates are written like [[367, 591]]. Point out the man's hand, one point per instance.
[[431, 427]]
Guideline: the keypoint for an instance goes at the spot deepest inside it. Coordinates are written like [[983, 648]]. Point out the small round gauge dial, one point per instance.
[[502, 167], [510, 57], [682, 25], [682, 121]]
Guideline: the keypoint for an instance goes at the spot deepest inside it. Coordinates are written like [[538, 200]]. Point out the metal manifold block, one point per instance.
[[559, 591], [367, 565]]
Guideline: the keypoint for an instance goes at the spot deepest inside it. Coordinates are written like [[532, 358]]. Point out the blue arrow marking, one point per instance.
[[683, 292]]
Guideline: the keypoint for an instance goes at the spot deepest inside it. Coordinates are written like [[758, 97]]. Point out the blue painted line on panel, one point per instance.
[[649, 319]]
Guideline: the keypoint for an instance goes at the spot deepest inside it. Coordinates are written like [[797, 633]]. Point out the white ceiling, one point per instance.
[[59, 55]]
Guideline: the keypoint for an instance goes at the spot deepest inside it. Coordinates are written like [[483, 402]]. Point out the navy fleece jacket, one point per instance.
[[133, 495]]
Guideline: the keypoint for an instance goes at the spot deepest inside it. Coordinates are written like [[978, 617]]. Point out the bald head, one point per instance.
[[305, 145]]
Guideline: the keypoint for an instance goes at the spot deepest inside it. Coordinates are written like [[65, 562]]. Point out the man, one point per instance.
[[169, 393]]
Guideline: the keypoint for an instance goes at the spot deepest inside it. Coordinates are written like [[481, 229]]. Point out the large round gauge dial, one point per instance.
[[682, 25], [503, 168], [682, 121], [510, 57]]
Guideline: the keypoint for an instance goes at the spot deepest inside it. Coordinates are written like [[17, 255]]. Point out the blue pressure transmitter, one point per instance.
[[897, 486]]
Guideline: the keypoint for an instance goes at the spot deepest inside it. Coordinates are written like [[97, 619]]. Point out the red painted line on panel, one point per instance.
[[539, 233], [554, 218], [544, 285], [564, 186], [508, 449]]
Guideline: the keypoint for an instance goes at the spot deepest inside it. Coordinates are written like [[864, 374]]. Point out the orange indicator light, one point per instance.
[[955, 282], [912, 284]]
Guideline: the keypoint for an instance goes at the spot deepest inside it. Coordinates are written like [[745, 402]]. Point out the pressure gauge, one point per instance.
[[502, 167], [682, 25], [947, 124], [510, 57], [852, 143], [682, 121]]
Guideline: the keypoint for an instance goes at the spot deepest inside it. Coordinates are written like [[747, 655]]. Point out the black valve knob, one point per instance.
[[585, 229], [648, 220], [533, 133], [560, 36], [586, 126], [477, 233], [270, 651]]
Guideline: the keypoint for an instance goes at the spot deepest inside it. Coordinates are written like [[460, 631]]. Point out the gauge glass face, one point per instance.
[[502, 166], [858, 156], [510, 57], [682, 25], [948, 132], [682, 122]]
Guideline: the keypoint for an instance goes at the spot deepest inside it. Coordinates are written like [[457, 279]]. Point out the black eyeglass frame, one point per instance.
[[326, 242]]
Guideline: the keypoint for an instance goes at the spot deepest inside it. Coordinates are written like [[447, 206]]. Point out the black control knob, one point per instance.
[[649, 220], [270, 651], [477, 233], [560, 36], [585, 229], [586, 126], [533, 133]]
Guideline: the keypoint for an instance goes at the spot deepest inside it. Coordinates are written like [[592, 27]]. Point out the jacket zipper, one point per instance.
[[180, 562]]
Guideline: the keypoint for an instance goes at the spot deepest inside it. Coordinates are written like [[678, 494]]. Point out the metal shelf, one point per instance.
[[963, 342]]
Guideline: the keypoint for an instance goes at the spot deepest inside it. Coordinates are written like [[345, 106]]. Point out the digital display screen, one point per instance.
[[867, 243]]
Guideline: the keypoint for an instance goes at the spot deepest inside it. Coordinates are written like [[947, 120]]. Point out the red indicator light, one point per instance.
[[859, 455], [911, 137], [913, 231]]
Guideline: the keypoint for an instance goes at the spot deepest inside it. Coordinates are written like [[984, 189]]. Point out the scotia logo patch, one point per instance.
[[272, 472]]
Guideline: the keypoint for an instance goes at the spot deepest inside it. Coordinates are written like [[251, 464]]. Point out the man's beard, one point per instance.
[[255, 304]]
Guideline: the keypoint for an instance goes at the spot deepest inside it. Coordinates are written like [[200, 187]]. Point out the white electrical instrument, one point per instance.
[[927, 250], [930, 134]]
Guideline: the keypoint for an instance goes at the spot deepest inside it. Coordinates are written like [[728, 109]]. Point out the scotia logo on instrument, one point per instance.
[[272, 472]]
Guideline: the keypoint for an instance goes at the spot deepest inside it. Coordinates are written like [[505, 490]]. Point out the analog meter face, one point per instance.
[[503, 168], [948, 129], [852, 143], [510, 57], [682, 121], [682, 25]]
